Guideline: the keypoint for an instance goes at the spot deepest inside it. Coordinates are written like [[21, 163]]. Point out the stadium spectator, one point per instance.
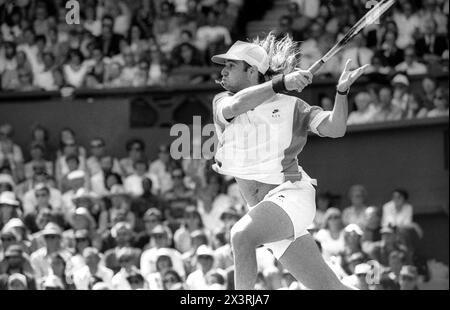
[[408, 278], [365, 110], [431, 46], [415, 108], [9, 207], [358, 278], [135, 149], [212, 35], [85, 277], [163, 265], [411, 66], [331, 236], [397, 212], [205, 260], [386, 110], [173, 281], [440, 104], [354, 214], [192, 221], [15, 262], [408, 24], [382, 249]]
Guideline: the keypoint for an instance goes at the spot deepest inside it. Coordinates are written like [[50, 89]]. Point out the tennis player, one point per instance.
[[279, 194]]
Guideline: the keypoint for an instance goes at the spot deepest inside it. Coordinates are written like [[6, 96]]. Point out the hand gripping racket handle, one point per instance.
[[316, 66]]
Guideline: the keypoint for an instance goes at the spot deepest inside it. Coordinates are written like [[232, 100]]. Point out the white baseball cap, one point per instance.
[[251, 53]]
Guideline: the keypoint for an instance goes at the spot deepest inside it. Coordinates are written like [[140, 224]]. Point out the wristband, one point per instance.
[[345, 93], [278, 84]]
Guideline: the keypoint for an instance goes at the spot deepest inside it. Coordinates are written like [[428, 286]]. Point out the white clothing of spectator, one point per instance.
[[82, 276], [407, 24], [365, 110], [412, 68], [211, 219], [149, 257], [75, 77], [29, 200], [397, 212], [209, 34], [330, 246]]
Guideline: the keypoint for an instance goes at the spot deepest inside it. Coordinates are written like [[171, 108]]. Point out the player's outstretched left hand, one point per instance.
[[348, 77]]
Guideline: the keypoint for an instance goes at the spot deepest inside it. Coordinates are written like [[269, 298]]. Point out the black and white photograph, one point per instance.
[[247, 146]]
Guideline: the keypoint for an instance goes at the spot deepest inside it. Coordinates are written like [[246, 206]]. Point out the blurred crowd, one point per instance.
[[78, 218], [149, 43], [117, 43]]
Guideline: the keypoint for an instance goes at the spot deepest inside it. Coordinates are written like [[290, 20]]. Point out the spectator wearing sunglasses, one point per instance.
[[98, 151], [40, 259], [160, 238]]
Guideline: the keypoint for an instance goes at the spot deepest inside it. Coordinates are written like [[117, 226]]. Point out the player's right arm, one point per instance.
[[251, 97]]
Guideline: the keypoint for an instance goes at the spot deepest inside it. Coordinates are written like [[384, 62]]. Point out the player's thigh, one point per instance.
[[265, 223]]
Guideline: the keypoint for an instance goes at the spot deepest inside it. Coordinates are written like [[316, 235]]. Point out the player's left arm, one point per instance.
[[334, 125]]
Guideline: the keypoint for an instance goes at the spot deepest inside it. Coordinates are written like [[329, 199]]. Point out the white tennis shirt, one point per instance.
[[263, 144]]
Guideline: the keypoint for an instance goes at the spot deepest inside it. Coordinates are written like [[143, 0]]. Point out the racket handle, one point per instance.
[[316, 66]]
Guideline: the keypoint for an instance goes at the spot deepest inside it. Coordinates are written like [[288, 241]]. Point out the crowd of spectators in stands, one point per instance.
[[77, 218], [158, 43], [116, 44]]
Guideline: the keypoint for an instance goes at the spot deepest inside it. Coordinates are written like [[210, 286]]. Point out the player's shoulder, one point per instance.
[[222, 95]]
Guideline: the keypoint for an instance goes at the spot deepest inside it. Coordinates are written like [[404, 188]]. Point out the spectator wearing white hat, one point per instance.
[[7, 183], [17, 227], [359, 278], [77, 181], [52, 282], [9, 207], [160, 238], [17, 282], [40, 259], [82, 220], [16, 261], [128, 259], [400, 84], [83, 278], [197, 280]]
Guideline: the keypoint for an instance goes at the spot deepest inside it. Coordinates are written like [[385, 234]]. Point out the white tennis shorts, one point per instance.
[[298, 200]]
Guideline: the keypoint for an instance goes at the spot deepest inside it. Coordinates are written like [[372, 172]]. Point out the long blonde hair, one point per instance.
[[284, 54]]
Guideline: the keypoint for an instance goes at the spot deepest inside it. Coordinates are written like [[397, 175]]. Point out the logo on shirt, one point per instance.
[[276, 113]]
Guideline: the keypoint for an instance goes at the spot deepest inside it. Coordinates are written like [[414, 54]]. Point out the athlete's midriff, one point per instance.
[[254, 191]]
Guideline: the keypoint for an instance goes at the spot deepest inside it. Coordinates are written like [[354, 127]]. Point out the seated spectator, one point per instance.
[[163, 265], [58, 268], [440, 104], [36, 226], [408, 24], [365, 110], [162, 168], [389, 52], [358, 279], [119, 207], [386, 111], [39, 259], [354, 214], [160, 239], [108, 41], [352, 246], [431, 46], [98, 151], [37, 158], [84, 277], [357, 51], [142, 74], [11, 28], [165, 27], [135, 151], [172, 281], [30, 198], [428, 92], [192, 221], [411, 66], [128, 259], [18, 228], [15, 262], [285, 28], [205, 259], [10, 153], [331, 236], [397, 260], [415, 107], [104, 179], [76, 69], [381, 250], [408, 278], [82, 241], [9, 207], [397, 212], [8, 61], [198, 238], [133, 183], [77, 185], [90, 22], [372, 226], [82, 220], [212, 33], [123, 239], [152, 218], [40, 135], [400, 84], [136, 281]]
